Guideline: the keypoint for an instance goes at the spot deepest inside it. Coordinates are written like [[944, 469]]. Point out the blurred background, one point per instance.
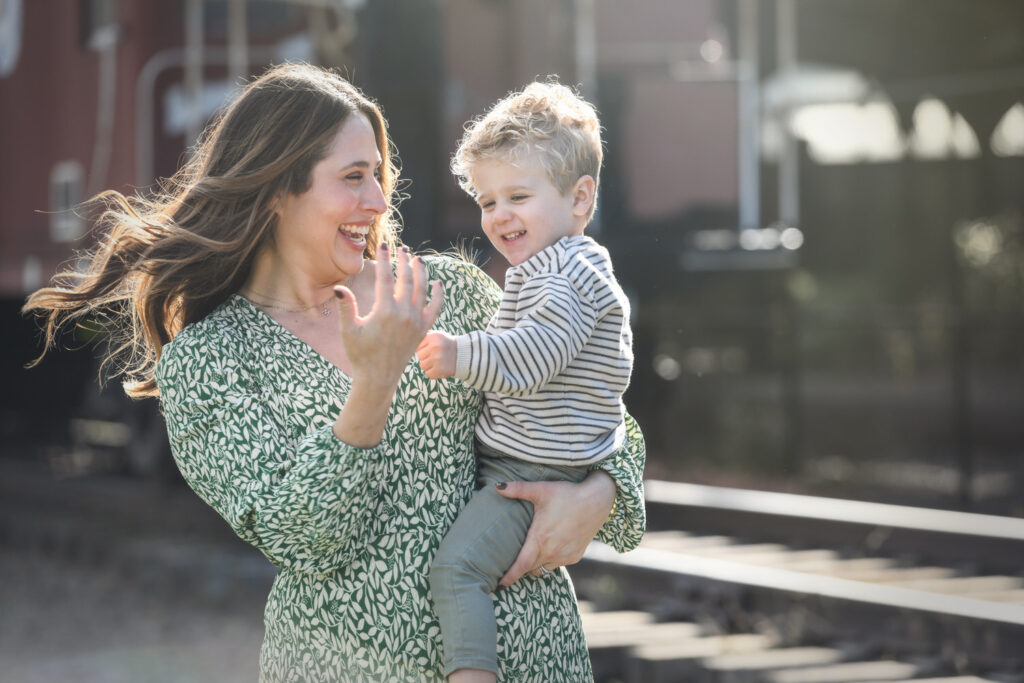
[[814, 205]]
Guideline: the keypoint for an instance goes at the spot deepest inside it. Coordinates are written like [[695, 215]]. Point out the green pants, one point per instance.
[[477, 551]]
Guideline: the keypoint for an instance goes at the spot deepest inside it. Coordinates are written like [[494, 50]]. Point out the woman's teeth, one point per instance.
[[356, 232]]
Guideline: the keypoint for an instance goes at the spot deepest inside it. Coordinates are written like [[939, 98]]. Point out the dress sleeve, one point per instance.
[[554, 324], [302, 502], [625, 526]]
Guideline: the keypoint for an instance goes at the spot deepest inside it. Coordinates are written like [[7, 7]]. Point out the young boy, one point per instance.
[[553, 362]]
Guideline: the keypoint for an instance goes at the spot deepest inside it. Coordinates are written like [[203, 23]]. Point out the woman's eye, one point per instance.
[[354, 177]]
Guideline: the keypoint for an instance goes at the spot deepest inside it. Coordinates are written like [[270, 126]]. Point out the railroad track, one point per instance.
[[728, 585], [734, 585]]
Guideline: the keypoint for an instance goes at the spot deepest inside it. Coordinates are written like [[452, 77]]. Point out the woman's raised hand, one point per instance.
[[380, 344]]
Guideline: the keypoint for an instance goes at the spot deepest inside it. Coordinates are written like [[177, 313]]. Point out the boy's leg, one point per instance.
[[479, 547]]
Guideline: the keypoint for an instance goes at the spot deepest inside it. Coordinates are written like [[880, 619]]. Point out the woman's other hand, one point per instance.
[[437, 353], [566, 517]]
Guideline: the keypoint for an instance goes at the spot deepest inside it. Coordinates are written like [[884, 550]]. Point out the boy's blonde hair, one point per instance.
[[544, 118]]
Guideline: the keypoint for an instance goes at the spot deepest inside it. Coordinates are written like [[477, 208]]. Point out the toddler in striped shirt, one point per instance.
[[554, 360]]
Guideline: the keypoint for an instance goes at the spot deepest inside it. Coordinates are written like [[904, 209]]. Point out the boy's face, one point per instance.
[[522, 212]]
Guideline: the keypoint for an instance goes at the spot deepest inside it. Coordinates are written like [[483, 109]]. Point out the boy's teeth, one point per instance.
[[514, 235]]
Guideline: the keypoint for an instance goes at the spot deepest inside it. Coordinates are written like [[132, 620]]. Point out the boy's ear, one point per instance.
[[583, 195]]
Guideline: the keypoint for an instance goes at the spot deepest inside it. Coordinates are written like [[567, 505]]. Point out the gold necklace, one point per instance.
[[278, 305]]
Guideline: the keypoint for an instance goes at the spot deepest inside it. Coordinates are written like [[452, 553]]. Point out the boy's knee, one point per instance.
[[440, 574], [448, 574]]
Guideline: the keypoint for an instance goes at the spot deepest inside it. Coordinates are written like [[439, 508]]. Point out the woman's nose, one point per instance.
[[374, 200]]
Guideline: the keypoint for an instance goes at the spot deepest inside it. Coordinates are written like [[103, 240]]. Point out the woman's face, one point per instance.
[[323, 230]]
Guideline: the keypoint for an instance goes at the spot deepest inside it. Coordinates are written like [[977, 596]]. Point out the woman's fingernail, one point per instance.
[[383, 246], [501, 486], [340, 294], [405, 249]]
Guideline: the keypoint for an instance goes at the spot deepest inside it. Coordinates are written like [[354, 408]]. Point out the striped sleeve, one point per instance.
[[554, 323]]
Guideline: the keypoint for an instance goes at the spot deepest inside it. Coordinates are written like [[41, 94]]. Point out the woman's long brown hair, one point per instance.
[[166, 260]]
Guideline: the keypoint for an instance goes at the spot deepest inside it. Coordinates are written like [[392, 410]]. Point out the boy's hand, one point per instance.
[[437, 354]]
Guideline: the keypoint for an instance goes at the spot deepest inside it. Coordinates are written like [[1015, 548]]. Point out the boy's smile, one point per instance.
[[522, 212]]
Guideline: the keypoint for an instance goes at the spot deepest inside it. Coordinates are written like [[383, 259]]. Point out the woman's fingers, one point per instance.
[[348, 309], [411, 289], [419, 284], [525, 561], [384, 284], [404, 276], [532, 554], [387, 335]]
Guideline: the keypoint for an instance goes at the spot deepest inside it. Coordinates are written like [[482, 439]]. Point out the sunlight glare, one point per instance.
[[933, 127], [1008, 137], [963, 140], [845, 133]]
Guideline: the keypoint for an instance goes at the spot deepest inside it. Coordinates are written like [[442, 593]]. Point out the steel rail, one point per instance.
[[835, 509]]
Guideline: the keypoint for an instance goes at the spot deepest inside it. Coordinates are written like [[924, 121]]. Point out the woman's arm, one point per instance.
[[303, 503]]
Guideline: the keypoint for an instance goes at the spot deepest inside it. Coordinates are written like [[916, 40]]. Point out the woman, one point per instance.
[[304, 423]]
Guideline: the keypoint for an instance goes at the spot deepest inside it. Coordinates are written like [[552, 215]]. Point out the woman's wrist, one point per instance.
[[361, 420], [601, 485]]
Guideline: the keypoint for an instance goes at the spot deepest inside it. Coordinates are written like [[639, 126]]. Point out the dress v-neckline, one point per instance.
[[281, 330], [284, 331]]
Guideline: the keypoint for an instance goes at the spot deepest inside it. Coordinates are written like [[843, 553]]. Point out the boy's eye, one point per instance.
[[519, 197], [486, 204]]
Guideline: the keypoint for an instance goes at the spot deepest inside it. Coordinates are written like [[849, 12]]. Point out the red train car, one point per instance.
[[93, 95]]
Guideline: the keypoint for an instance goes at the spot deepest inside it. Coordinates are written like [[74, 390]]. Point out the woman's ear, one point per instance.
[[583, 196]]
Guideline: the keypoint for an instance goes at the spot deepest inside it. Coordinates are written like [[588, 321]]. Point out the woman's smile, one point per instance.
[[355, 234]]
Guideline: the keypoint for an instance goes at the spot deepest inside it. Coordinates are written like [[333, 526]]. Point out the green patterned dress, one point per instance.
[[249, 409]]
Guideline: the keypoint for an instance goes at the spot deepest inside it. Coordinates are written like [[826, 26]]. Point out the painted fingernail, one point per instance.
[[405, 249], [501, 485], [383, 246], [339, 294]]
